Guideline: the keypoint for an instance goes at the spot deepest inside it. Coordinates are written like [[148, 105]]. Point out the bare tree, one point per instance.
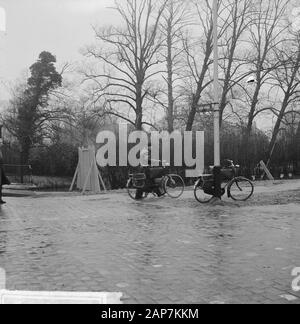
[[233, 60], [287, 79], [265, 34], [198, 72], [130, 59], [175, 20]]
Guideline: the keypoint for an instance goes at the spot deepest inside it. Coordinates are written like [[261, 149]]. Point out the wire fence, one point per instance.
[[18, 173]]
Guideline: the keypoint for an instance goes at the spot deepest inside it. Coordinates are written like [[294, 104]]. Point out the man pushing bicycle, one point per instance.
[[152, 173]]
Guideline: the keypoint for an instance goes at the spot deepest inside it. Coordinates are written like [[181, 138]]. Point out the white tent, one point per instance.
[[87, 175]]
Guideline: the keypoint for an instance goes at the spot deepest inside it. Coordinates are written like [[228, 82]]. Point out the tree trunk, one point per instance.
[[223, 103], [246, 147], [139, 108], [276, 132], [196, 98], [192, 114], [200, 83]]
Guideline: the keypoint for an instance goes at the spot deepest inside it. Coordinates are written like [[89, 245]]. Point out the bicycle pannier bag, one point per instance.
[[139, 180]]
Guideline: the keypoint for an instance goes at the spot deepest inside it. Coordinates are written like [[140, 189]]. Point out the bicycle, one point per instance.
[[169, 184], [238, 188]]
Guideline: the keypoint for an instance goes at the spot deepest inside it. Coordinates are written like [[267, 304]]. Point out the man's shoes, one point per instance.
[[2, 202]]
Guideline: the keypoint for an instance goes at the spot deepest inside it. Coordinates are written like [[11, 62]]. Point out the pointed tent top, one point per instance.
[[2, 19]]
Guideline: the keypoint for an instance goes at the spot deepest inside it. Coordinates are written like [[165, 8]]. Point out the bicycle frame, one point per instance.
[[203, 179], [228, 184], [146, 187], [158, 184]]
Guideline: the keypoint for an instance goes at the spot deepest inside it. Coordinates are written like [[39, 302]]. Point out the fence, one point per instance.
[[18, 173]]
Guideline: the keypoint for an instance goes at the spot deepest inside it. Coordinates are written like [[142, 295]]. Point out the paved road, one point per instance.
[[158, 250]]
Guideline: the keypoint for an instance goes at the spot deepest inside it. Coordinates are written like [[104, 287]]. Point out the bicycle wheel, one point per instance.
[[240, 189], [174, 185], [199, 194], [133, 192]]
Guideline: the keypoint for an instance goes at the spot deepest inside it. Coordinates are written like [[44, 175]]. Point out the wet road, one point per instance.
[[155, 251]]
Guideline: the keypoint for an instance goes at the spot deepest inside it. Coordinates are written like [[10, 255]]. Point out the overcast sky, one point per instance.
[[59, 26]]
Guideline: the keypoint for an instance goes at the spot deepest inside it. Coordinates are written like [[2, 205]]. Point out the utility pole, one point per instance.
[[217, 157]]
